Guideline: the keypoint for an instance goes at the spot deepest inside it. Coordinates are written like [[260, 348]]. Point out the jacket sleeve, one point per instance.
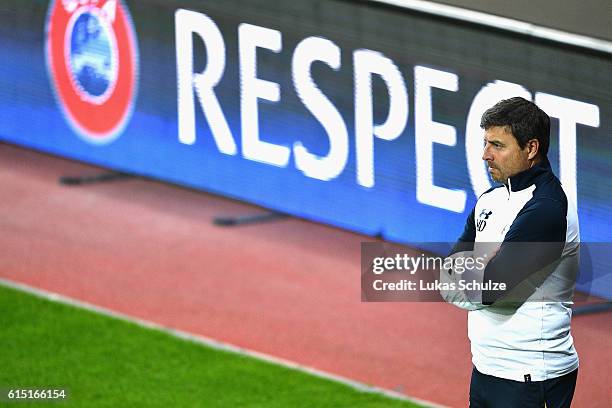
[[466, 240], [535, 239]]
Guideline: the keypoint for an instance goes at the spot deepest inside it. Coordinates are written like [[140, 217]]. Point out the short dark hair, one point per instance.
[[523, 118]]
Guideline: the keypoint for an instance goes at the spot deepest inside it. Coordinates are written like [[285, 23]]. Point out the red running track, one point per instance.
[[290, 289]]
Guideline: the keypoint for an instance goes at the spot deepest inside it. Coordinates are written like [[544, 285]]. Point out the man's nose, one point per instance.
[[486, 155]]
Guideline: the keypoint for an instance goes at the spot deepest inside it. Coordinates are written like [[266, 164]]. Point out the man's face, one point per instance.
[[503, 155]]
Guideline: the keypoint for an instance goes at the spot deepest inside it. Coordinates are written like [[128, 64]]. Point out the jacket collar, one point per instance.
[[528, 177]]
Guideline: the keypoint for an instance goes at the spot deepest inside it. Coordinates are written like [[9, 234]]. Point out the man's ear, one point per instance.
[[533, 148]]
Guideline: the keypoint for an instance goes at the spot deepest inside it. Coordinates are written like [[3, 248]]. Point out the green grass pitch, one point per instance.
[[108, 362]]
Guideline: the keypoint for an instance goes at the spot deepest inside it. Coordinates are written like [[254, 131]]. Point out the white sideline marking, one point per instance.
[[207, 341]]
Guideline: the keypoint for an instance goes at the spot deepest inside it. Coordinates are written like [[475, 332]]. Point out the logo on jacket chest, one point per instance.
[[481, 222]]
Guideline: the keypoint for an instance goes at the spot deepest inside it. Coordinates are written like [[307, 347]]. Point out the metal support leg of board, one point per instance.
[[592, 308], [249, 219], [95, 178]]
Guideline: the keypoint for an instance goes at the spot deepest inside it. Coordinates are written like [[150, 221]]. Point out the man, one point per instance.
[[522, 349]]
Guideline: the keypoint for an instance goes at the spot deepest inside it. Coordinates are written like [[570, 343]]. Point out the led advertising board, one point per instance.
[[349, 113]]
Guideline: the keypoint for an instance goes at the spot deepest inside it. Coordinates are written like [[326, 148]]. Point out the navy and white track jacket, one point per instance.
[[536, 229]]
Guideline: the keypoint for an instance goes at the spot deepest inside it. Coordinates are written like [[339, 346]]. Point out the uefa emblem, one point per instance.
[[92, 59]]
